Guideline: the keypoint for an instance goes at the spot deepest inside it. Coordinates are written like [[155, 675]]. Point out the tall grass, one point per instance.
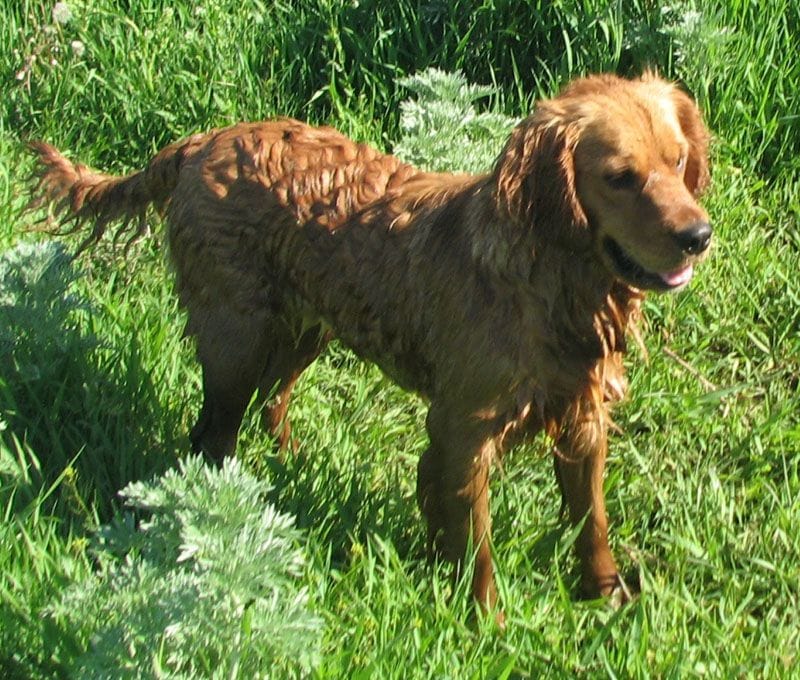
[[97, 389], [151, 71]]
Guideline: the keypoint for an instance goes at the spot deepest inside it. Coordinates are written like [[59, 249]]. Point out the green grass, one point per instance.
[[97, 388]]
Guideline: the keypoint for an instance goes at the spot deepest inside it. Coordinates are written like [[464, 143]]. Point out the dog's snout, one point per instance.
[[695, 239]]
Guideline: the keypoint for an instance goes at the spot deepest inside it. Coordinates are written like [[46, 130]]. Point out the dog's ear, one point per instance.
[[696, 176], [534, 176]]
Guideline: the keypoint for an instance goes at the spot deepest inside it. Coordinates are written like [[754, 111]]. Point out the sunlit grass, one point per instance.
[[703, 481]]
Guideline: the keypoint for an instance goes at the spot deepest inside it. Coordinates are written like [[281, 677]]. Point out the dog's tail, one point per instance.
[[82, 196]]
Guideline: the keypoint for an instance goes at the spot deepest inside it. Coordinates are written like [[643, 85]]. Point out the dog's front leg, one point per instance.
[[453, 492], [580, 461]]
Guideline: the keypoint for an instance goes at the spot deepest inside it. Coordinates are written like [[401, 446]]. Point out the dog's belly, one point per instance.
[[370, 337]]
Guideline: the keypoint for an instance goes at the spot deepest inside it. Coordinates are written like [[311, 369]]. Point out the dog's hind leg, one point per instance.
[[429, 481], [288, 358], [231, 349]]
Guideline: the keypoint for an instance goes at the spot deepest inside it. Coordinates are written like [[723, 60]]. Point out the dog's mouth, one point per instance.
[[633, 273]]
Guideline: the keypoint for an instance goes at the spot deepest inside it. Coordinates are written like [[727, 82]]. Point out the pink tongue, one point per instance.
[[678, 277]]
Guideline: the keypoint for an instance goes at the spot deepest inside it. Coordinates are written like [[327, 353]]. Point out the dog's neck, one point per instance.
[[592, 316], [594, 294], [588, 306], [589, 309]]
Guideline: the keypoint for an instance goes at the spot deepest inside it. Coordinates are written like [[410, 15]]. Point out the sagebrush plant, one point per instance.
[[441, 128], [38, 313], [211, 582], [55, 371], [42, 340]]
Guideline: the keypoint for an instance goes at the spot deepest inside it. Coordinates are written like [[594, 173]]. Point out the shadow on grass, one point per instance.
[[360, 483], [93, 417], [346, 500], [87, 413]]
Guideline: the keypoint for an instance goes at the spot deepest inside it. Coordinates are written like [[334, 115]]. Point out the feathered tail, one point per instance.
[[83, 196]]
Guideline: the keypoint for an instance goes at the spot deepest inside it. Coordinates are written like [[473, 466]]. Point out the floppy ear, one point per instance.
[[534, 176], [696, 176]]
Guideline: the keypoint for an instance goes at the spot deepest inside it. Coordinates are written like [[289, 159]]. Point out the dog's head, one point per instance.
[[618, 165]]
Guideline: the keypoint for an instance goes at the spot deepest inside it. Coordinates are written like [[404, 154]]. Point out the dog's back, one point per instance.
[[267, 248], [249, 209], [311, 172]]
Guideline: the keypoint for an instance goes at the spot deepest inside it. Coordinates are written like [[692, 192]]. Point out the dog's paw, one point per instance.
[[622, 593]]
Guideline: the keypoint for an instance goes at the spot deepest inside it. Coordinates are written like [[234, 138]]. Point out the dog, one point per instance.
[[504, 299]]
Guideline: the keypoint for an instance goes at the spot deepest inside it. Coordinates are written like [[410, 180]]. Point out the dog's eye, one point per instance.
[[681, 165], [624, 179]]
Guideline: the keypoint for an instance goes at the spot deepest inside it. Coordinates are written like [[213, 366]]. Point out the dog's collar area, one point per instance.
[[634, 274]]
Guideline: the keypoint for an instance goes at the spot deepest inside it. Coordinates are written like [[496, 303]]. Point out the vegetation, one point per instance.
[[206, 587], [97, 389]]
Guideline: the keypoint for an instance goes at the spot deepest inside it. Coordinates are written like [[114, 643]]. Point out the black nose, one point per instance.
[[695, 238]]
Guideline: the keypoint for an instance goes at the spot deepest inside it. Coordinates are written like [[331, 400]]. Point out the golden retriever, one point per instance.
[[504, 298]]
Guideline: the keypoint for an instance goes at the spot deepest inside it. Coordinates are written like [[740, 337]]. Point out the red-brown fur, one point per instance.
[[504, 299]]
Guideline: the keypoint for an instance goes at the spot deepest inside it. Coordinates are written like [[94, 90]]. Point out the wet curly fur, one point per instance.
[[504, 299]]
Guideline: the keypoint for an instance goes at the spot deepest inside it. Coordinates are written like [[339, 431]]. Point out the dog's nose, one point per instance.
[[695, 238]]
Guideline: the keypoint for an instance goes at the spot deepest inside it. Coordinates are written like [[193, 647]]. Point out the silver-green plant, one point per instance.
[[701, 44], [441, 128], [38, 312], [210, 585]]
